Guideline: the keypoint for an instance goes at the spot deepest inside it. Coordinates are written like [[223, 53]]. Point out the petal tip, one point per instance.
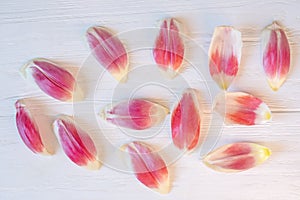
[[90, 30], [268, 152], [275, 89], [102, 114], [275, 85], [168, 73], [265, 154], [268, 116], [47, 152], [164, 188], [121, 76], [225, 86], [78, 94], [93, 165], [23, 70], [19, 103], [165, 110]]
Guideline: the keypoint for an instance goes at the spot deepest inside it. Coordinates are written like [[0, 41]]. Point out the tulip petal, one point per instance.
[[242, 108], [276, 55], [225, 55], [137, 114], [53, 80], [149, 167], [28, 129], [168, 51], [109, 51], [76, 143], [186, 121], [237, 157]]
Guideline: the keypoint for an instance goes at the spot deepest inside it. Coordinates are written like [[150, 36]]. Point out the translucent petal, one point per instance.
[[137, 114], [52, 79], [276, 55], [168, 50], [186, 121], [109, 51], [237, 157], [28, 129], [148, 166], [242, 108], [225, 55], [76, 143]]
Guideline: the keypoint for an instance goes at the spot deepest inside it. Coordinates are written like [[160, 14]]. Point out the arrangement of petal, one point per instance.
[[237, 157], [28, 129], [225, 55], [53, 80], [140, 114], [148, 166], [276, 55], [76, 143], [137, 114], [109, 51], [242, 108], [168, 51], [186, 121]]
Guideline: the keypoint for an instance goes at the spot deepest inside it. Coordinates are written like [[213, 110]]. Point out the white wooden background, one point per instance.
[[55, 29]]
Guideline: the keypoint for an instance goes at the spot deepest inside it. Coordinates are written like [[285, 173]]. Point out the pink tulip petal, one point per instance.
[[137, 114], [276, 55], [28, 129], [109, 51], [148, 166], [53, 80], [237, 157], [76, 143], [242, 108], [225, 55], [186, 121], [168, 51]]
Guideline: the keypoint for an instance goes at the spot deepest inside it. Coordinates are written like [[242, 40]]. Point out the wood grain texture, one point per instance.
[[55, 29]]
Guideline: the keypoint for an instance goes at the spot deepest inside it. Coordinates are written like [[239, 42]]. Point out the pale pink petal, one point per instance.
[[186, 121], [276, 55], [168, 51], [237, 157], [242, 108], [225, 55], [148, 166], [52, 79], [109, 51], [137, 114], [28, 129], [76, 143]]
